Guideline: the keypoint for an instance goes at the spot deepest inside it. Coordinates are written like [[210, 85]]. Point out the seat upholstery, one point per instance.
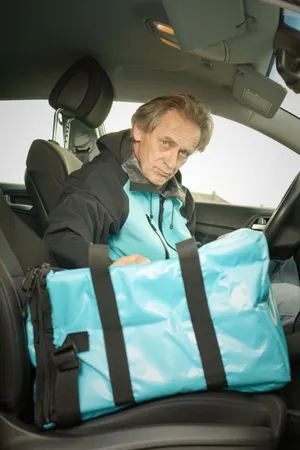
[[29, 248], [84, 93], [204, 420], [48, 166]]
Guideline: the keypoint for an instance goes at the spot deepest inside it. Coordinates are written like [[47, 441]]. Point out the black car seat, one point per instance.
[[84, 93], [208, 420], [48, 166]]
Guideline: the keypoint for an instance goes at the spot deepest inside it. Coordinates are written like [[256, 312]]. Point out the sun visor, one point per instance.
[[200, 23], [227, 30], [257, 92]]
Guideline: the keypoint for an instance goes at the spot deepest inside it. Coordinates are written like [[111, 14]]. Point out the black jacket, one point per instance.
[[97, 202]]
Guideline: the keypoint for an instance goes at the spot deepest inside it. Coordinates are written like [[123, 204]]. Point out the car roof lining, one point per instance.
[[48, 37], [52, 35]]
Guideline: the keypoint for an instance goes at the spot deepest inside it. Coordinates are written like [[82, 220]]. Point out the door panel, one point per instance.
[[214, 220], [17, 193], [20, 202]]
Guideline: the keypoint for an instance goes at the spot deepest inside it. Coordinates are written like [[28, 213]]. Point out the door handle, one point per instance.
[[259, 224], [8, 199], [258, 227]]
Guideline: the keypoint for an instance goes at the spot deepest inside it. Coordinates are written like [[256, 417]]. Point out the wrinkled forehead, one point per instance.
[[182, 131]]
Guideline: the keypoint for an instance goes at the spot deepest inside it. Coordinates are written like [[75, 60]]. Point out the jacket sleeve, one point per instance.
[[92, 206]]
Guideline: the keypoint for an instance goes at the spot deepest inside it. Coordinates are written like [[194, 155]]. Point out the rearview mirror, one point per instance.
[[287, 51], [288, 67]]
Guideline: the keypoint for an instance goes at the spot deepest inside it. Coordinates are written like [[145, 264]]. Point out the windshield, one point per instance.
[[292, 19], [291, 102]]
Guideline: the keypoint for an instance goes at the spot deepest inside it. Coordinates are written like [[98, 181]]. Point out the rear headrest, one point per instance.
[[84, 92], [49, 159], [48, 166]]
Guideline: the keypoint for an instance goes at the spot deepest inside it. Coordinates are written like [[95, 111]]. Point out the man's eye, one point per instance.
[[184, 153], [165, 143]]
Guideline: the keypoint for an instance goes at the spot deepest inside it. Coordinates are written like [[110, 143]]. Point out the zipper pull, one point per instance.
[[30, 280]]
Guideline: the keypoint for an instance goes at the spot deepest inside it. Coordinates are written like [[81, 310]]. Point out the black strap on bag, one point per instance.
[[65, 359], [206, 338], [67, 365], [57, 368], [98, 257], [112, 328]]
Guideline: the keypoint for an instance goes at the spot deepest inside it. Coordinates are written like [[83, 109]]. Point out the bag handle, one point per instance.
[[98, 257], [202, 322], [111, 324]]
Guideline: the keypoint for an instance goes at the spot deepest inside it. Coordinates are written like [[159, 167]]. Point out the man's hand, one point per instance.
[[132, 259]]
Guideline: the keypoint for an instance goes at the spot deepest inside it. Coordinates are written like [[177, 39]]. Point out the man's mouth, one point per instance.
[[164, 174]]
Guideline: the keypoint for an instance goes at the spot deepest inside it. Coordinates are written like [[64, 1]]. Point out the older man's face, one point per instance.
[[163, 151]]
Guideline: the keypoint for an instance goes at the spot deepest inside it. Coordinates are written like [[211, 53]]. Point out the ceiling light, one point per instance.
[[170, 43], [164, 31], [164, 28]]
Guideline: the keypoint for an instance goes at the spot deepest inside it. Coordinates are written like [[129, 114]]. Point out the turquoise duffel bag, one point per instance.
[[105, 339]]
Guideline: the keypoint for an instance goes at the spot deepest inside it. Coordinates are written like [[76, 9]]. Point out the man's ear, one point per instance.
[[137, 133]]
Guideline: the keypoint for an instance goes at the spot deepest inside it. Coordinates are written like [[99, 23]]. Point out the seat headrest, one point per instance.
[[84, 92]]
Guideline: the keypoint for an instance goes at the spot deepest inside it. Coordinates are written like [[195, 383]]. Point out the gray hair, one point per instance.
[[148, 115]]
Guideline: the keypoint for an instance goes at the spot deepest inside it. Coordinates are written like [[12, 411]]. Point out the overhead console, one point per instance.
[[227, 30], [293, 5], [239, 32]]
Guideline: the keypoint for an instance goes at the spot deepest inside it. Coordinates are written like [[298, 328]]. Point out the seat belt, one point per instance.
[[13, 266]]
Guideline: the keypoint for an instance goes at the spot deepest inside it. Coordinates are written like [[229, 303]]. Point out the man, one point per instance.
[[131, 199], [130, 196]]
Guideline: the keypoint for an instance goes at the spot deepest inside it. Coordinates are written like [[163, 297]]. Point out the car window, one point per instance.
[[240, 166], [120, 115], [291, 102], [22, 122], [292, 19]]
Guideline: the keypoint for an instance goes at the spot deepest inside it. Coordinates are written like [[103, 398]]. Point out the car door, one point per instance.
[[238, 180], [214, 220], [21, 204]]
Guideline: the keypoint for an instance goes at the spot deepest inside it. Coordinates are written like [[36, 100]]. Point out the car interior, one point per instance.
[[81, 57]]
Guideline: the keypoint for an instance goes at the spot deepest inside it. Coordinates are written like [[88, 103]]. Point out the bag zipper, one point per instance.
[[30, 285]]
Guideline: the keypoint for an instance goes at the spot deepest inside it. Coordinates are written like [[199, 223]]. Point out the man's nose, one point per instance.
[[170, 159]]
